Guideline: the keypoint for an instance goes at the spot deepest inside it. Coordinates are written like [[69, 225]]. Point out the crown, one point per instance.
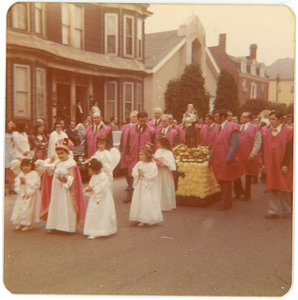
[[64, 143]]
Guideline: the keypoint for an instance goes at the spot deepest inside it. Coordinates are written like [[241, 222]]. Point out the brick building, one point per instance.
[[62, 53], [250, 74]]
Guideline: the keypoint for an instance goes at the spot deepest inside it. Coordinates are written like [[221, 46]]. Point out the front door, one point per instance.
[[63, 102]]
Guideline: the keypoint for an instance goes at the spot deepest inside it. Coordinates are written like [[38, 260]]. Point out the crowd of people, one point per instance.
[[248, 147]]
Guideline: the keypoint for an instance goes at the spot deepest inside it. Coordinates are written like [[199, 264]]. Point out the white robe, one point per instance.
[[105, 158], [165, 180], [62, 215], [101, 215], [53, 139], [26, 208], [20, 143], [145, 204]]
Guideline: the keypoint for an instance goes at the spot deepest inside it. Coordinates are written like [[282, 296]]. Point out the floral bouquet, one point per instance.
[[196, 178], [196, 155]]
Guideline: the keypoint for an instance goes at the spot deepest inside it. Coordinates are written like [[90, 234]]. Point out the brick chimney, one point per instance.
[[253, 51], [222, 41]]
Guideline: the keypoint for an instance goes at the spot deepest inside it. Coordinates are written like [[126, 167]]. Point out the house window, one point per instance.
[[19, 16], [111, 34], [138, 102], [262, 72], [140, 38], [263, 87], [40, 92], [110, 104], [243, 67], [253, 70], [292, 89], [66, 23], [72, 25], [253, 91], [128, 101], [244, 87], [38, 17], [21, 91], [78, 27], [128, 35]]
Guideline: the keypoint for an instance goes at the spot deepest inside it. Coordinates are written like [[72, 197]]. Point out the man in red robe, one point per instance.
[[125, 128], [225, 158], [169, 132], [139, 135], [156, 121], [208, 131], [98, 128], [250, 144], [278, 165]]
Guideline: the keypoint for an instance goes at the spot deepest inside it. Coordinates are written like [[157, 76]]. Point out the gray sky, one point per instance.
[[271, 27]]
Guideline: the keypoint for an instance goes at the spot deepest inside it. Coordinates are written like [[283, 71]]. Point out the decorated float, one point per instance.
[[196, 184]]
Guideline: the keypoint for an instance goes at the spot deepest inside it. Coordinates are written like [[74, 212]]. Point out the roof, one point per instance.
[[158, 45], [94, 60], [283, 67]]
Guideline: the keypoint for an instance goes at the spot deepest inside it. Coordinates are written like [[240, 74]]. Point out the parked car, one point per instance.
[[79, 157]]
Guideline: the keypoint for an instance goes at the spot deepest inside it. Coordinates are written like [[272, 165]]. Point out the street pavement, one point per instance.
[[194, 251]]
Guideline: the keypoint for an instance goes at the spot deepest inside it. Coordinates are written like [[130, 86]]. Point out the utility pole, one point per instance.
[[277, 81]]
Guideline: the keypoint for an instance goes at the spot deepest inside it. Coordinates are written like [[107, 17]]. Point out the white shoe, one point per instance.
[[91, 237], [26, 228], [141, 224], [19, 227]]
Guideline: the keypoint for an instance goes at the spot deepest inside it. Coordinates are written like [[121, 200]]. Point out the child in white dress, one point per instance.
[[165, 180], [26, 208], [67, 205], [104, 156], [101, 215], [145, 204]]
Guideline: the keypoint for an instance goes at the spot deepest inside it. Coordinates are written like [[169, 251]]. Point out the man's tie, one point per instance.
[[242, 128]]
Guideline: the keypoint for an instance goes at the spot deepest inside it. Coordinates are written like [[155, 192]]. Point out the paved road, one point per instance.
[[194, 251]]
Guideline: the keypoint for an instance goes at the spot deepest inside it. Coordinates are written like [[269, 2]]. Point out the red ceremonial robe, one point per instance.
[[76, 191], [209, 136], [91, 137], [125, 128], [222, 170], [251, 167], [137, 140], [171, 134], [151, 124], [273, 153]]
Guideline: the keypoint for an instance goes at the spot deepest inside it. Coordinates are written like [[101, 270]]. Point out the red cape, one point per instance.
[[79, 204]]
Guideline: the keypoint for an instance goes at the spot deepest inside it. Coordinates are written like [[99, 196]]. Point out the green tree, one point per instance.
[[227, 93], [188, 89]]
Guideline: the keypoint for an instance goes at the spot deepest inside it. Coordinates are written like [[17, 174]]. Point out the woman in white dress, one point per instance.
[[145, 204], [26, 208], [101, 215], [54, 137], [165, 180], [20, 140]]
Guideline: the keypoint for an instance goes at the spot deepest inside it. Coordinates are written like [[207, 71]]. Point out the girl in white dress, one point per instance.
[[26, 208], [101, 215], [145, 204], [165, 180], [104, 156], [67, 205]]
